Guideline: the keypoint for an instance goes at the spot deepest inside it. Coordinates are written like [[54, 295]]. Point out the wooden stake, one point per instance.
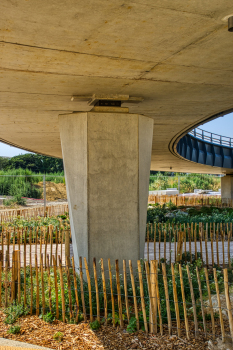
[[167, 299], [125, 289], [82, 290], [49, 284], [195, 240], [152, 316], [75, 288], [193, 302], [201, 299], [24, 255], [62, 290], [142, 295], [112, 295], [134, 293], [154, 241], [217, 244], [55, 285], [153, 295], [119, 293], [210, 302], [176, 301], [89, 286], [37, 288], [228, 301], [219, 305], [184, 303], [42, 284]]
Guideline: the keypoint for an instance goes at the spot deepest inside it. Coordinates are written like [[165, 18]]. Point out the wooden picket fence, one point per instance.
[[34, 212], [158, 302], [211, 242], [194, 200]]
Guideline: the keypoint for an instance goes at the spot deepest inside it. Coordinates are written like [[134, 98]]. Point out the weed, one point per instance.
[[132, 326], [58, 336], [95, 325], [13, 312], [48, 317], [14, 329]]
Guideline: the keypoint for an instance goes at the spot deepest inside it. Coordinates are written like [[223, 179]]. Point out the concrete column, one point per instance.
[[227, 189], [107, 164]]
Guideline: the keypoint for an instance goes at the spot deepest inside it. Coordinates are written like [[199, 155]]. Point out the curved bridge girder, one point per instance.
[[199, 151]]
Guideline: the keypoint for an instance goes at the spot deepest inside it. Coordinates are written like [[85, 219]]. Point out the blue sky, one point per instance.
[[221, 126]]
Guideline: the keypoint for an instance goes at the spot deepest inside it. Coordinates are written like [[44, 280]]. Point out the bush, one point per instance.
[[95, 325], [13, 312], [132, 326], [48, 317], [14, 329]]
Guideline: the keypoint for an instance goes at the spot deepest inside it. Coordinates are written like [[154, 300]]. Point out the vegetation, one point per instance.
[[188, 182], [58, 336], [34, 162], [15, 311], [14, 329]]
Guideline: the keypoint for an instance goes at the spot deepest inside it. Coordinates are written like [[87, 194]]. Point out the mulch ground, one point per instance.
[[35, 331]]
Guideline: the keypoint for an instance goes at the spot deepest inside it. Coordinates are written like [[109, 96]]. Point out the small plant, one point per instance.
[[14, 329], [132, 326], [80, 318], [95, 325], [58, 336], [13, 312], [48, 317]]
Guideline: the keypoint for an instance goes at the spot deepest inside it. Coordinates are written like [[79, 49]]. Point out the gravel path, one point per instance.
[[9, 344]]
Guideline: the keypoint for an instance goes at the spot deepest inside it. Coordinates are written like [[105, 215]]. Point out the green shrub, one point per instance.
[[14, 329], [132, 326], [48, 317], [58, 336], [13, 312], [95, 325]]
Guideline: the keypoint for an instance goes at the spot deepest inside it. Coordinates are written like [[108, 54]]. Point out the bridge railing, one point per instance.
[[211, 137]]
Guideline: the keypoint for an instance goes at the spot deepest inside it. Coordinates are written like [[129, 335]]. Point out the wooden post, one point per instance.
[[195, 241], [206, 245], [119, 293], [228, 301], [112, 295], [37, 288], [67, 244], [62, 290], [153, 295], [152, 316], [82, 290], [176, 301], [134, 293], [75, 288], [24, 258], [201, 299], [180, 246], [210, 302], [193, 302], [42, 284], [219, 306], [15, 260], [89, 286], [184, 302], [223, 252], [167, 299], [51, 242], [148, 254], [49, 283], [69, 288], [142, 295], [125, 289], [155, 240]]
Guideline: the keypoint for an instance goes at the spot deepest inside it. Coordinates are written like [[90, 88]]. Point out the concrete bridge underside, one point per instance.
[[176, 55]]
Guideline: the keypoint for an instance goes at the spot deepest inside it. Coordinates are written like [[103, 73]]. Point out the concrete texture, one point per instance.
[[107, 164], [227, 188], [9, 344], [177, 55]]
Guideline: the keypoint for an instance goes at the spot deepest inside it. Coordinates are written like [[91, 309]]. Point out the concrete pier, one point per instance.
[[107, 159], [227, 188]]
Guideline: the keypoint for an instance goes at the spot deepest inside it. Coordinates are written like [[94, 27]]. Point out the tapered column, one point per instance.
[[227, 189], [107, 164]]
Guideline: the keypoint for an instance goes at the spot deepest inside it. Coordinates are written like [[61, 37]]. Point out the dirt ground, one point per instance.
[[35, 331], [53, 191]]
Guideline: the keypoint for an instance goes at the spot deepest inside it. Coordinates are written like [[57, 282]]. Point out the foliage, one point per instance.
[[58, 336], [13, 312], [95, 325], [188, 182], [34, 162], [14, 329], [49, 317], [132, 326]]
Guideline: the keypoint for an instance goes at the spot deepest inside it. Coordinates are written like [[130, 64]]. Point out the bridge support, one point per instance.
[[227, 189], [107, 163]]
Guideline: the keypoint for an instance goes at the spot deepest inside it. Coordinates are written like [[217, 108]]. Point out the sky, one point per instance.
[[221, 126]]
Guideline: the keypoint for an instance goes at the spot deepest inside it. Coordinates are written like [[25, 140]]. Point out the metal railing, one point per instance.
[[211, 137]]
